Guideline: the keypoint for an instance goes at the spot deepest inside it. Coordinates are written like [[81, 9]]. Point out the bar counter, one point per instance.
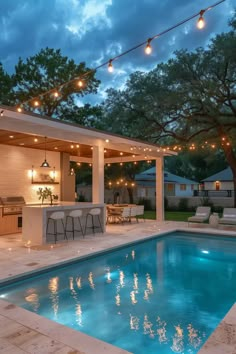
[[35, 218]]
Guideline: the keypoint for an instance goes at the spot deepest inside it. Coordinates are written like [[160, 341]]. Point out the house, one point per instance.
[[173, 185], [220, 182]]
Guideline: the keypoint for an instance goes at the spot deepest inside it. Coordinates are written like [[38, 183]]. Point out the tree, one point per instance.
[[6, 83], [191, 98], [49, 70]]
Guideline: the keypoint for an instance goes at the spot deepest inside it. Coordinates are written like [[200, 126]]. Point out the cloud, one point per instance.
[[96, 30]]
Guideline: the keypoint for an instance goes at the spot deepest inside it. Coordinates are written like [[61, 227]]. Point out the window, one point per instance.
[[183, 187], [170, 187]]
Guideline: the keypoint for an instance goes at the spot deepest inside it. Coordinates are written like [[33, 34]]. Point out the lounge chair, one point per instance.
[[202, 215], [229, 216]]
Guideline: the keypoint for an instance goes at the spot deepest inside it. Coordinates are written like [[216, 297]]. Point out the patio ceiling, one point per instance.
[[29, 131]]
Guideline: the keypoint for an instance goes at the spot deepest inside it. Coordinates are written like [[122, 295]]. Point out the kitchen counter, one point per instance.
[[35, 217]]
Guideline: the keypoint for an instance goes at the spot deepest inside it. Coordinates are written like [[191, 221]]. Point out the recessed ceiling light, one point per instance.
[[107, 140], [55, 147], [35, 140], [22, 144], [11, 136]]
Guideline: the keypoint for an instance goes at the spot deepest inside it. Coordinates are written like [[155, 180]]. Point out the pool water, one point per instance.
[[165, 295]]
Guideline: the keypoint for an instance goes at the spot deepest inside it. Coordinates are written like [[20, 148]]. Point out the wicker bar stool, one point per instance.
[[93, 214], [73, 216], [54, 218]]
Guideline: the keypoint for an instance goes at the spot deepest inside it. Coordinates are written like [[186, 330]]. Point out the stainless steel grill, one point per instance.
[[12, 205]]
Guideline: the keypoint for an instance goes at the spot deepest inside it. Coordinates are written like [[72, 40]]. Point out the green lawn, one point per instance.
[[170, 215]]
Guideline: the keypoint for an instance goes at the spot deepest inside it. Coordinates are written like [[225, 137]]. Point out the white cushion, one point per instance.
[[76, 213]]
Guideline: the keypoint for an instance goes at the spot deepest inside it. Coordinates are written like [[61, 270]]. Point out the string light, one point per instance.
[[36, 103], [56, 94], [201, 21], [110, 66], [148, 50]]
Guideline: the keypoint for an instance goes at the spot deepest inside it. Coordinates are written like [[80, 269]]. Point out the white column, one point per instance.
[[98, 174], [159, 189]]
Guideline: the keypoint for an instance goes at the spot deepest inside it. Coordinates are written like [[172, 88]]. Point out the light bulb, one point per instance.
[[56, 94], [36, 103], [200, 23], [110, 67], [19, 109], [80, 83], [148, 48]]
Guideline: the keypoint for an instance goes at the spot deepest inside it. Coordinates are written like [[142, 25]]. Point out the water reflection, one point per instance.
[[53, 286], [90, 279], [134, 322], [122, 278], [33, 299]]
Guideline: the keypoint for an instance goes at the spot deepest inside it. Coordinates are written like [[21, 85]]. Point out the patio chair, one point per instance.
[[133, 212], [140, 212], [125, 215], [229, 216], [202, 215], [112, 215]]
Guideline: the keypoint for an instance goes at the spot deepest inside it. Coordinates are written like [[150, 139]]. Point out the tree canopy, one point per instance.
[[190, 98], [50, 71]]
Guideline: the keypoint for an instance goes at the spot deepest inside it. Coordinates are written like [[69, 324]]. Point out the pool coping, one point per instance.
[[219, 342]]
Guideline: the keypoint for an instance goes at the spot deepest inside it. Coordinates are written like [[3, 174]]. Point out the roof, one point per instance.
[[21, 129], [150, 175], [224, 175]]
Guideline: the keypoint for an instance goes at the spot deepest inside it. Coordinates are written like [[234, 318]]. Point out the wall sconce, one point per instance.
[[31, 173], [53, 174]]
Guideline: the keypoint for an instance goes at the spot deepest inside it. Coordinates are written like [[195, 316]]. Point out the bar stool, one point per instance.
[[54, 218], [95, 212], [73, 215]]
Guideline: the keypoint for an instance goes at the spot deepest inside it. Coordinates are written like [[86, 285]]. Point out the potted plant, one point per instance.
[[45, 193]]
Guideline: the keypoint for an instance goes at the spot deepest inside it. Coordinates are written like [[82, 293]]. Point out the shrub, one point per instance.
[[205, 201], [146, 202], [166, 204], [183, 204], [81, 198]]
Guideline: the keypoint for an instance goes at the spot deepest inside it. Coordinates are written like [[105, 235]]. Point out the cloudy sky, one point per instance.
[[96, 30]]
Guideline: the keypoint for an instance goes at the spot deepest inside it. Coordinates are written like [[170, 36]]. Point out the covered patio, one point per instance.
[[26, 137]]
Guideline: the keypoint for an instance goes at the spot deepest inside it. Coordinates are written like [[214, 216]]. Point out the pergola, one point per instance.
[[80, 144]]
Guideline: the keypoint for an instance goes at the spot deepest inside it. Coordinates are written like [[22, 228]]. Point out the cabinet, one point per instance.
[[10, 224]]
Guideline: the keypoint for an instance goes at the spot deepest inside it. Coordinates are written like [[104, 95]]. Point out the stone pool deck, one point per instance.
[[22, 331]]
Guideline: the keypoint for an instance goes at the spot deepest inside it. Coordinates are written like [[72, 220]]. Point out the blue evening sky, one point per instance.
[[96, 30]]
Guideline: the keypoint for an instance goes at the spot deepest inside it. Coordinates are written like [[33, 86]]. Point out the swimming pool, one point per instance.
[[161, 296]]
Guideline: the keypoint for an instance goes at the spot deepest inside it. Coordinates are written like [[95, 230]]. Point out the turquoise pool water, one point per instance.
[[161, 296]]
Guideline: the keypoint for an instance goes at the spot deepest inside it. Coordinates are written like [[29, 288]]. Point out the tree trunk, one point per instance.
[[231, 159], [131, 197]]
